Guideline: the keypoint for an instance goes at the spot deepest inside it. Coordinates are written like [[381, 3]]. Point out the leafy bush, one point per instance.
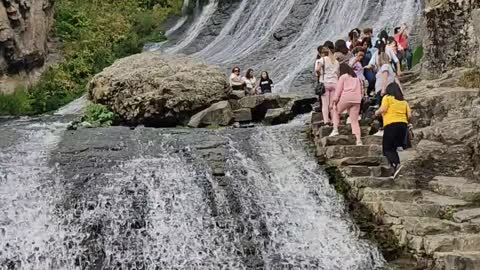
[[470, 79], [417, 55], [16, 103], [98, 115], [94, 34]]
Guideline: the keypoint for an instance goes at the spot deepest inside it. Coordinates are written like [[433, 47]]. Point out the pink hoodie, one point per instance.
[[349, 89]]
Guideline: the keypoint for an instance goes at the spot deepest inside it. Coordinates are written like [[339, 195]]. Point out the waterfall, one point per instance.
[[247, 37], [197, 26], [181, 21], [31, 235], [297, 218]]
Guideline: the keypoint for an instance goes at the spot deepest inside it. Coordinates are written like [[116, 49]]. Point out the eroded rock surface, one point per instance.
[[158, 90], [24, 29]]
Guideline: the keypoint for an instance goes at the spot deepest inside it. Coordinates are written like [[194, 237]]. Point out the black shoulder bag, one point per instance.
[[320, 87]]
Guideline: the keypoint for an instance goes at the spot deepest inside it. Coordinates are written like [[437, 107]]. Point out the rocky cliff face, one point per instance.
[[452, 37], [24, 29]]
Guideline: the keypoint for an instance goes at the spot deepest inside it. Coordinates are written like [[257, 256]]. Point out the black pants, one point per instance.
[[393, 137]]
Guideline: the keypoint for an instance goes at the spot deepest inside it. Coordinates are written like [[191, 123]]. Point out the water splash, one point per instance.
[[305, 219]]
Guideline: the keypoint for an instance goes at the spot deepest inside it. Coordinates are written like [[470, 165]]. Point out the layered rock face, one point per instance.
[[24, 29], [158, 90], [452, 37]]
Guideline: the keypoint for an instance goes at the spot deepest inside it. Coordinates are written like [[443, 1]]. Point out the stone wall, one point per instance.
[[452, 35], [24, 29]]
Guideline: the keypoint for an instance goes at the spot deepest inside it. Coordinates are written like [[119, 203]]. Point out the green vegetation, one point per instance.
[[98, 116], [94, 34], [470, 79], [417, 55]]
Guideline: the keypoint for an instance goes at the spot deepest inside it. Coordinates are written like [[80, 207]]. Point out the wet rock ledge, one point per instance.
[[429, 216], [155, 90]]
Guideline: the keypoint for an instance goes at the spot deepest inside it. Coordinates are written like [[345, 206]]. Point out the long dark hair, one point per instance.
[[346, 69], [394, 90], [261, 77], [234, 68], [341, 46], [383, 36], [249, 74], [319, 51]]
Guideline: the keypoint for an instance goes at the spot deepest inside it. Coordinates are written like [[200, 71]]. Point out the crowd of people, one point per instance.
[[362, 73], [249, 84]]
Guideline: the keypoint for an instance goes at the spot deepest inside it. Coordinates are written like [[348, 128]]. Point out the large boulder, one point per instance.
[[219, 113], [158, 90]]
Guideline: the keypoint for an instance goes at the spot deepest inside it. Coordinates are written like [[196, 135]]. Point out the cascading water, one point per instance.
[[296, 219], [249, 39]]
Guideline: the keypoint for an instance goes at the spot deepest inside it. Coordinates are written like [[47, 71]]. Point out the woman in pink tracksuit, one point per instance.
[[327, 69], [348, 96]]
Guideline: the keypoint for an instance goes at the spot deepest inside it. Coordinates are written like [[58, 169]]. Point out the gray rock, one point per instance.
[[158, 90], [219, 113], [276, 117], [466, 215], [242, 115]]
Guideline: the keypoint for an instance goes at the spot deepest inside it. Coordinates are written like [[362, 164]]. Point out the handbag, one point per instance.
[[320, 87]]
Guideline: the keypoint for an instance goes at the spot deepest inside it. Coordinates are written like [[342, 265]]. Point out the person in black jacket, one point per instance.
[[266, 84]]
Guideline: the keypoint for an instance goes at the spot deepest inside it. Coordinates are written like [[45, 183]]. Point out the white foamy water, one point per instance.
[[308, 228], [75, 107], [30, 234]]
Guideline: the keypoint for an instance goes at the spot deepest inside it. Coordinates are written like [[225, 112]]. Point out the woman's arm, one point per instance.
[[384, 82], [339, 90]]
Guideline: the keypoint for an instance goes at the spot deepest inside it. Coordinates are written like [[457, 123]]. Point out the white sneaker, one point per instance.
[[379, 133], [348, 120], [334, 133], [359, 143], [397, 171]]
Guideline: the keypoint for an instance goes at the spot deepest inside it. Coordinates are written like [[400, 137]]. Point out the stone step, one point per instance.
[[360, 161], [442, 200], [324, 131], [421, 226], [457, 187], [349, 140], [343, 151], [359, 171], [454, 241], [398, 195], [457, 260], [467, 215], [370, 181], [428, 204]]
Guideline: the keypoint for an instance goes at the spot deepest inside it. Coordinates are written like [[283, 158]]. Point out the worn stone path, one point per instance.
[[438, 224]]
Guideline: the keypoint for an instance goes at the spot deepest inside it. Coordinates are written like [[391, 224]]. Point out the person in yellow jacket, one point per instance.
[[396, 115]]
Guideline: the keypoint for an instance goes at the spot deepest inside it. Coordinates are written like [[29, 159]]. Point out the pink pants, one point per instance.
[[327, 102], [353, 113]]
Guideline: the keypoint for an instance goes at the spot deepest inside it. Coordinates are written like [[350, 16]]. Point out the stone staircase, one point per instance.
[[438, 225]]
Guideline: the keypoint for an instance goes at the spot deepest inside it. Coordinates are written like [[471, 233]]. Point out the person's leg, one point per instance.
[[409, 56], [379, 118], [331, 92], [354, 110], [341, 106], [389, 145], [325, 107]]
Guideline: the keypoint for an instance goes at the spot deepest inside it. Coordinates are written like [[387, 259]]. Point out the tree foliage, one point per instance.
[[94, 33]]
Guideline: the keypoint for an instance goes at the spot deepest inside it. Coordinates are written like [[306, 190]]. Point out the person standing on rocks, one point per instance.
[[348, 96], [327, 70], [342, 53], [236, 81], [385, 76], [250, 83], [391, 50], [266, 84], [401, 36], [396, 114]]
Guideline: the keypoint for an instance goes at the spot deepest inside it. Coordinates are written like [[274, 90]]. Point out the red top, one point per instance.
[[402, 40]]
